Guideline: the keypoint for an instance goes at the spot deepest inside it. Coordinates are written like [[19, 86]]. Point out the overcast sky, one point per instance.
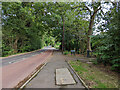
[[105, 9]]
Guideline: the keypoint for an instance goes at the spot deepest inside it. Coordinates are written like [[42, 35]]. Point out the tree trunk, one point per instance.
[[90, 31], [15, 45]]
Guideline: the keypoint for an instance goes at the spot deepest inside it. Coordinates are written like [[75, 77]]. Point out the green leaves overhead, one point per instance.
[[29, 26]]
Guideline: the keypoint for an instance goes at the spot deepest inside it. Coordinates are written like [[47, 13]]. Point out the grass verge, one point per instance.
[[93, 77]]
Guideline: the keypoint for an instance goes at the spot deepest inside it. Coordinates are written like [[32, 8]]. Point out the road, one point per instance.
[[10, 60], [13, 73]]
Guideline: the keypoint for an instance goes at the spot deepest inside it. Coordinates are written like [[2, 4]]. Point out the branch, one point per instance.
[[114, 3], [59, 4], [84, 8], [88, 9], [76, 7], [97, 9], [102, 12]]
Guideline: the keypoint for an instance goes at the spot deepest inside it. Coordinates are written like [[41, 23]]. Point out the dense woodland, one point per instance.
[[94, 26]]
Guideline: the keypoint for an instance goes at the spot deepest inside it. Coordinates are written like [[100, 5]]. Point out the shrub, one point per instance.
[[66, 52]]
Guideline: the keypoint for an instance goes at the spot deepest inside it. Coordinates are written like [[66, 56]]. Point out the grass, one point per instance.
[[94, 77], [66, 52]]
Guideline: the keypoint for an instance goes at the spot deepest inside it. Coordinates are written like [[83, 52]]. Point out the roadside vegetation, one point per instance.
[[95, 77], [66, 52], [93, 26]]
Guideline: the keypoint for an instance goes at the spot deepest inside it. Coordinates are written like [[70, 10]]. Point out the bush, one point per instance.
[[94, 62], [66, 52], [115, 64], [57, 45]]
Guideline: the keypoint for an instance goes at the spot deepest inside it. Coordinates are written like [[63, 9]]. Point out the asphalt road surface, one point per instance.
[[13, 73], [10, 60]]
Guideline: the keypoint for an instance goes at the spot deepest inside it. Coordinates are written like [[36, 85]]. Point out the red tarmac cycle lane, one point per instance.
[[14, 73]]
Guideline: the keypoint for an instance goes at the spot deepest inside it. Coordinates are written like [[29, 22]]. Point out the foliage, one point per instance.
[[20, 33], [57, 45], [65, 52], [28, 26], [34, 25], [95, 62], [106, 45]]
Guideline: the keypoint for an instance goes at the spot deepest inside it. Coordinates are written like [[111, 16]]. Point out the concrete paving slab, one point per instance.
[[64, 77]]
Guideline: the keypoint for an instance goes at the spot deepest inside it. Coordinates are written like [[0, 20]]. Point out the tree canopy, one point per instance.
[[28, 26]]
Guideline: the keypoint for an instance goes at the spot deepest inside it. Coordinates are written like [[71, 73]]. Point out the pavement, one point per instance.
[[64, 77], [13, 73], [46, 77]]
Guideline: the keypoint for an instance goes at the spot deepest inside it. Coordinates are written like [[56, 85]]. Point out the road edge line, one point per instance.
[[32, 76], [78, 76]]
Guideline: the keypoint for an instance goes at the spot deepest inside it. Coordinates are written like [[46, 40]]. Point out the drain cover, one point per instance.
[[64, 77]]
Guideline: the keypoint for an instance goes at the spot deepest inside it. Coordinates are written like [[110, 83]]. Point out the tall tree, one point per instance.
[[92, 7]]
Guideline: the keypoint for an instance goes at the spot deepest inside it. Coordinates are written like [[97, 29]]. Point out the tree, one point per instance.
[[107, 43], [96, 6], [23, 22]]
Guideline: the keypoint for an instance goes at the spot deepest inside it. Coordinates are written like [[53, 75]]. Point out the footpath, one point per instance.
[[46, 78]]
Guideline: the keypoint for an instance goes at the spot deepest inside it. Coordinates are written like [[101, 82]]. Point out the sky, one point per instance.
[[105, 9]]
